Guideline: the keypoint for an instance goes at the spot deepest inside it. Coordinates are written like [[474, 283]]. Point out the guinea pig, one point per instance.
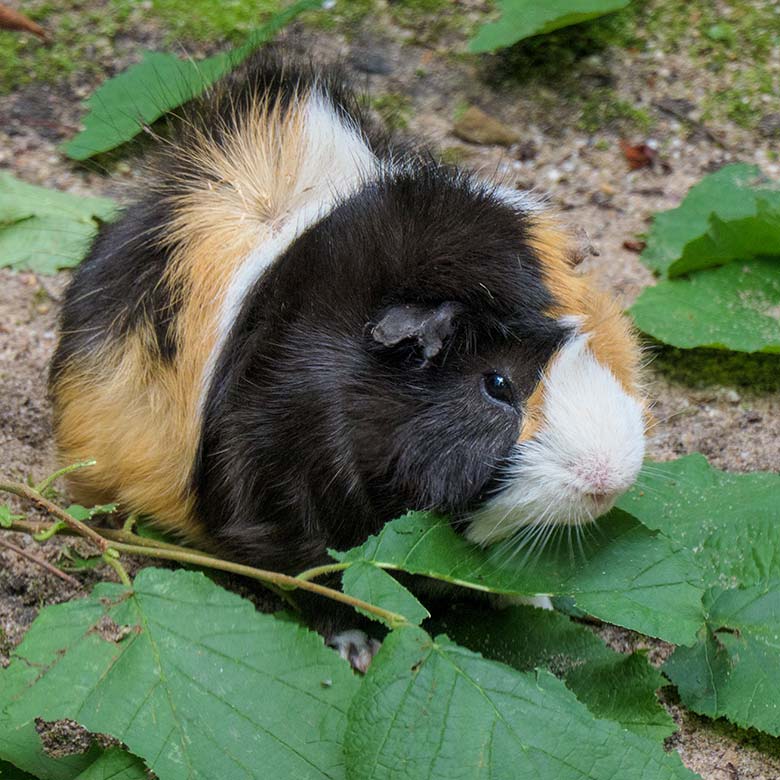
[[299, 330]]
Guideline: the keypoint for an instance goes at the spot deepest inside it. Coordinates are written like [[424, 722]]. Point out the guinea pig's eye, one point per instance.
[[498, 387]]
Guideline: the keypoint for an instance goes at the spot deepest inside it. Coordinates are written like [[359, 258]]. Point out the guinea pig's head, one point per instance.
[[498, 384]]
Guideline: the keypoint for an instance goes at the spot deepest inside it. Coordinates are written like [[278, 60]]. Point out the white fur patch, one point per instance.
[[335, 162], [524, 201], [588, 450]]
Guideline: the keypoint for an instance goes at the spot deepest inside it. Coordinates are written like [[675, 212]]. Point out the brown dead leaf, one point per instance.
[[638, 155], [13, 20], [634, 246]]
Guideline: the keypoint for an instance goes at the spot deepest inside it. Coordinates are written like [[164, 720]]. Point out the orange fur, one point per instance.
[[611, 337], [135, 414]]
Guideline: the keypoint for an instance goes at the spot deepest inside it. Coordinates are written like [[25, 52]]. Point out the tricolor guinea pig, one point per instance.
[[299, 331]]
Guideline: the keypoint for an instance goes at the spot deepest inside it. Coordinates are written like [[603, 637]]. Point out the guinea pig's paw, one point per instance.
[[356, 647]]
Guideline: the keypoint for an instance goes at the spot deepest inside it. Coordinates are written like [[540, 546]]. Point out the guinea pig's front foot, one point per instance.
[[356, 647]]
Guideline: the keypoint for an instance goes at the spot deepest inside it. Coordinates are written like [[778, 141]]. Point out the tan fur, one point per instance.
[[611, 337], [136, 415], [532, 414]]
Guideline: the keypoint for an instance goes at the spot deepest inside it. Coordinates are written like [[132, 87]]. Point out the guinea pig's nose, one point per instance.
[[596, 478]]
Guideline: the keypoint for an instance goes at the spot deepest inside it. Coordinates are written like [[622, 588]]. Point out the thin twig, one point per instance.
[[129, 543], [72, 581], [31, 494]]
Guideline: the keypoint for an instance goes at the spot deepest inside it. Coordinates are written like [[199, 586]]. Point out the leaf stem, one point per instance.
[[46, 483], [114, 562], [320, 571]]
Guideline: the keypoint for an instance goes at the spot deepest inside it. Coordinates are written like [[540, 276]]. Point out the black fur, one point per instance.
[[315, 435], [118, 287]]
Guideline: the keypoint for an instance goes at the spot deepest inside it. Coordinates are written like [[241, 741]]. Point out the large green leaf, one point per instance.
[[190, 677], [730, 520], [430, 709], [43, 230], [122, 106], [734, 671], [627, 575], [525, 18], [612, 685], [732, 214], [734, 307]]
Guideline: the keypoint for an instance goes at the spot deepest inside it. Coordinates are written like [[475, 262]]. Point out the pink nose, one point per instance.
[[597, 478]]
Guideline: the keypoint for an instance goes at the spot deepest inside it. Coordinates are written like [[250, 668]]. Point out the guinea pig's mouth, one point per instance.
[[532, 497]]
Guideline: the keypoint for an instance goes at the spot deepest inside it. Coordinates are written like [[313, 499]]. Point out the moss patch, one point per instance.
[[82, 35], [394, 109], [604, 109]]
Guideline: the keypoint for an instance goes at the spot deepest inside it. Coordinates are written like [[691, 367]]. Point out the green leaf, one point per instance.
[[87, 513], [525, 18], [377, 587], [679, 239], [627, 576], [734, 307], [115, 764], [56, 228], [430, 709], [6, 517], [730, 520], [122, 106], [612, 685], [72, 560], [734, 671], [190, 677]]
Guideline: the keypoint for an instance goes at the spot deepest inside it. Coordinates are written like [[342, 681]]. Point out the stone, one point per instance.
[[769, 125], [477, 127]]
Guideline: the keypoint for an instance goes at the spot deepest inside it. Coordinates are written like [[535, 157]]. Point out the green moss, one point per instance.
[[701, 368], [737, 46], [394, 108], [207, 21], [604, 109], [345, 16], [430, 20], [453, 155], [81, 34]]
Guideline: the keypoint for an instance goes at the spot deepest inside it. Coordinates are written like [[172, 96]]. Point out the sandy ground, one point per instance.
[[728, 409]]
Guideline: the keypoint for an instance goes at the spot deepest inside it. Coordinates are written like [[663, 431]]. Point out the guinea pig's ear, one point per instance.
[[429, 326]]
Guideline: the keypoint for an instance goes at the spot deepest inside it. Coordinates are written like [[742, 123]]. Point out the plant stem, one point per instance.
[[320, 571], [45, 483], [115, 564], [32, 494], [129, 543], [284, 581], [72, 581]]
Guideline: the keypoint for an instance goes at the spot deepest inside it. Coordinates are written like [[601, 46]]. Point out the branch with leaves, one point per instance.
[[112, 543]]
